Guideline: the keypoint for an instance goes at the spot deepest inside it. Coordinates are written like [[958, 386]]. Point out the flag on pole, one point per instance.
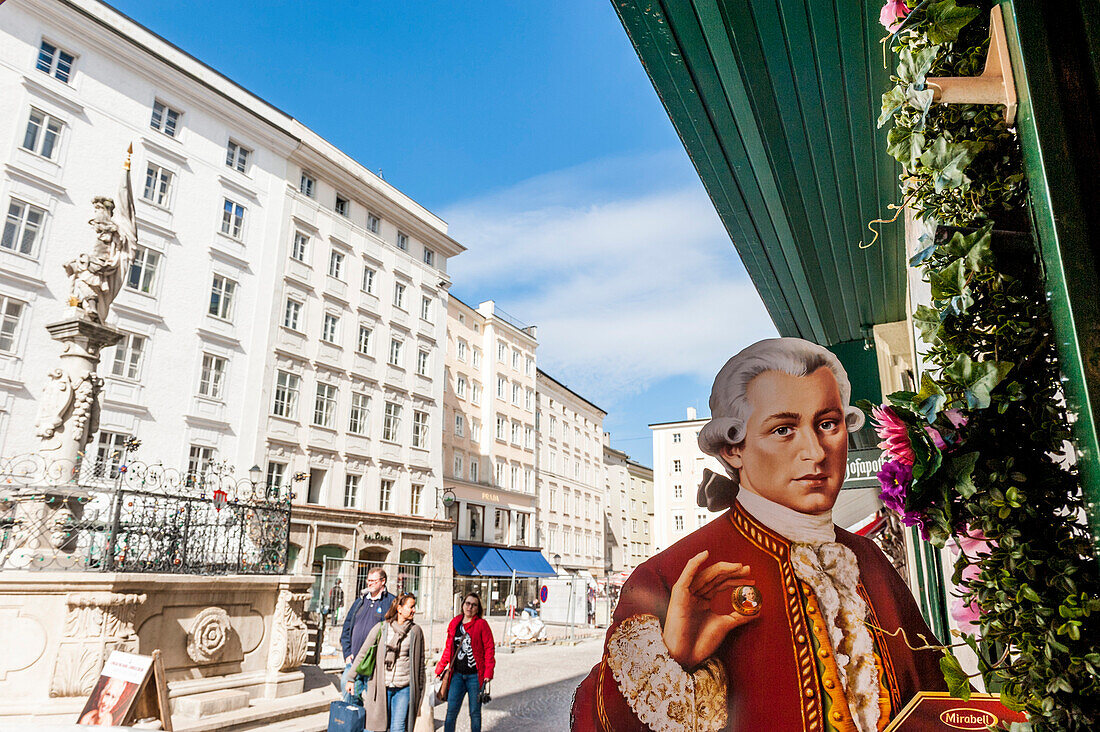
[[127, 214]]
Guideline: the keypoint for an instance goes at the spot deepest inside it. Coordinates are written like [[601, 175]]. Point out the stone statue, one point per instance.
[[96, 277]]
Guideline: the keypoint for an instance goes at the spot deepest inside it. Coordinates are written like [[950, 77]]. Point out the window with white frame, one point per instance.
[[55, 62], [460, 387], [285, 403], [342, 206], [385, 494], [700, 520], [529, 401], [395, 352], [678, 522], [675, 438], [158, 185], [363, 343], [521, 529], [422, 363], [359, 417], [426, 308], [515, 360], [475, 467], [275, 474], [475, 393], [502, 384], [368, 279], [475, 430], [199, 460], [212, 378], [458, 468], [374, 224], [502, 351], [330, 328], [501, 424], [232, 219], [165, 119], [529, 367], [529, 437], [351, 490], [11, 317], [515, 433], [402, 241], [416, 499], [420, 429], [528, 480], [292, 314], [514, 475], [460, 425], [676, 466], [399, 295], [429, 257], [476, 358], [22, 227], [307, 184], [236, 156], [461, 350], [223, 292], [300, 248], [324, 406], [677, 492], [501, 474], [43, 133], [143, 270], [129, 354], [336, 264], [391, 422], [516, 391]]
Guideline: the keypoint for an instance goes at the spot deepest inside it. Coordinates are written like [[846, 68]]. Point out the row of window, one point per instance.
[[517, 429], [569, 466], [352, 497], [517, 355], [518, 393], [460, 389], [502, 518], [572, 503], [332, 333], [574, 542]]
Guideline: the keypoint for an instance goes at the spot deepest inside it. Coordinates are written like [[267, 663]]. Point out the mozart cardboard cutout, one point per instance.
[[770, 617]]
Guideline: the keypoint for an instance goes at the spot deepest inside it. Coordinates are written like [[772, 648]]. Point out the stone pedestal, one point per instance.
[[239, 633]]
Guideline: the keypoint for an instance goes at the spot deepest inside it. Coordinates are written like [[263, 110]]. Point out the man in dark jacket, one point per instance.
[[366, 612]]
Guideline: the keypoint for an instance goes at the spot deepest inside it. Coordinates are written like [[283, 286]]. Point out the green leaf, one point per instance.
[[913, 67], [929, 323], [980, 254], [946, 20], [1010, 701], [977, 378], [958, 685], [892, 101], [961, 470], [949, 281], [930, 399], [905, 146], [946, 162]]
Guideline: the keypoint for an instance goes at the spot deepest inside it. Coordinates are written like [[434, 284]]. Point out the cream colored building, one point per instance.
[[678, 467], [572, 490], [628, 521]]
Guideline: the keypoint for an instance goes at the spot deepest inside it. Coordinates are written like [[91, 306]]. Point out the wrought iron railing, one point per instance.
[[121, 515]]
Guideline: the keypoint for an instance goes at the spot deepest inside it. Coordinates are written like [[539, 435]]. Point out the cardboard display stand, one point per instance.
[[940, 710], [130, 688]]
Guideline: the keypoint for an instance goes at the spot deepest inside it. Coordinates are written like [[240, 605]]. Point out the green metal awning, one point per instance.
[[776, 102]]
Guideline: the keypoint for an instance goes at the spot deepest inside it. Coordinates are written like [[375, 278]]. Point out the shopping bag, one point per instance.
[[425, 718], [344, 717]]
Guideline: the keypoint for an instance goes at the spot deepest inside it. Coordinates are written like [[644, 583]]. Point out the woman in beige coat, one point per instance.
[[396, 689]]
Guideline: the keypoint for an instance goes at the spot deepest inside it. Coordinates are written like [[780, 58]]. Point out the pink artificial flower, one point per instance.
[[894, 435], [971, 543], [937, 438], [892, 13], [957, 419]]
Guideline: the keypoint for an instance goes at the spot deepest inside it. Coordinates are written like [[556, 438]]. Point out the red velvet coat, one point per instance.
[[481, 638], [773, 683]]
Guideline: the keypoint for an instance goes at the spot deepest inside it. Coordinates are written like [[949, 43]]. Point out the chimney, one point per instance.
[[691, 413]]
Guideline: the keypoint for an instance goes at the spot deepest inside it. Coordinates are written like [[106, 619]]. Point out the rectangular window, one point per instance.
[[477, 358], [351, 490], [165, 119], [292, 314], [22, 227], [374, 224], [399, 295], [460, 387], [422, 363], [391, 422], [416, 499], [286, 395], [529, 400], [529, 367], [501, 475], [462, 350], [515, 478], [236, 156], [675, 438], [501, 387], [343, 206], [515, 360], [330, 328], [678, 522], [474, 468], [529, 438], [457, 472], [43, 133], [521, 529], [502, 351], [54, 61], [429, 257], [425, 308], [307, 185], [143, 270], [501, 422], [460, 425], [158, 185], [300, 249], [336, 264], [528, 480], [128, 357], [677, 492], [475, 430], [360, 413], [232, 219], [402, 242], [475, 393], [385, 493], [368, 280], [515, 433], [516, 391], [275, 474], [11, 315], [199, 460], [363, 344], [676, 466], [324, 406], [222, 293], [212, 380], [395, 352], [420, 429]]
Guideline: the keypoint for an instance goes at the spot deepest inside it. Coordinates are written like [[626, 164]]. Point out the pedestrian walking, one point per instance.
[[396, 687], [471, 650], [336, 600], [367, 611]]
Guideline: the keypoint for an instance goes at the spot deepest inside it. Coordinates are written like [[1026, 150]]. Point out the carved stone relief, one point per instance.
[[289, 633], [208, 634], [96, 623]]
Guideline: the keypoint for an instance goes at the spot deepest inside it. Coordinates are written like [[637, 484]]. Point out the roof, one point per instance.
[[545, 375]]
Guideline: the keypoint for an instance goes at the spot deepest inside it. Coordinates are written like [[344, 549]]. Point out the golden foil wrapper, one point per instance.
[[747, 600]]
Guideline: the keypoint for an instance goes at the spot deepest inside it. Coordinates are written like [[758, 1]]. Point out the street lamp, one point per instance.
[[254, 474], [557, 562]]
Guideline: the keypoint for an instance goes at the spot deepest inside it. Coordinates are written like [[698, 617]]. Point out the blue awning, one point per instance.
[[527, 562], [485, 560], [462, 563]]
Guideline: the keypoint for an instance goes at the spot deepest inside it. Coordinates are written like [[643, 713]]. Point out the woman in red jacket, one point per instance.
[[470, 647]]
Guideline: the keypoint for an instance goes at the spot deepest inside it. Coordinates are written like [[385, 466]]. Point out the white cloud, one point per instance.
[[623, 265]]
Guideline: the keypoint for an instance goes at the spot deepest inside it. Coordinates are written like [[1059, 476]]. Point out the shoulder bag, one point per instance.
[[366, 666]]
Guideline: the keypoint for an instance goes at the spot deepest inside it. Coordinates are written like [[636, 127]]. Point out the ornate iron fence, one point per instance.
[[121, 515]]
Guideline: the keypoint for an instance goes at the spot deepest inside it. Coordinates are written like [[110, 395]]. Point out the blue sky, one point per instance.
[[533, 130]]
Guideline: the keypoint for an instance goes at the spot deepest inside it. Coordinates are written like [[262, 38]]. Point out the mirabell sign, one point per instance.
[[378, 537]]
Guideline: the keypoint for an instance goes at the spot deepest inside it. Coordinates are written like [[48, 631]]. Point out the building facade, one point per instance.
[[285, 308], [678, 467], [628, 516], [571, 484]]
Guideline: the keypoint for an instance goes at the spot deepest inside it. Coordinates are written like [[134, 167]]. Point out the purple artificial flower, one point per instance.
[[895, 477], [957, 419]]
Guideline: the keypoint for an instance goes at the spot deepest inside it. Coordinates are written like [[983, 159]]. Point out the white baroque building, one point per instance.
[[286, 307], [678, 467], [628, 524]]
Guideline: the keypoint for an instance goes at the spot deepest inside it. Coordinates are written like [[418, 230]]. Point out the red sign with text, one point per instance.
[[939, 710]]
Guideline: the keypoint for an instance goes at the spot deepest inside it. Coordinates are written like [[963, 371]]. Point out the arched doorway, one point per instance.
[[319, 594], [408, 579]]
